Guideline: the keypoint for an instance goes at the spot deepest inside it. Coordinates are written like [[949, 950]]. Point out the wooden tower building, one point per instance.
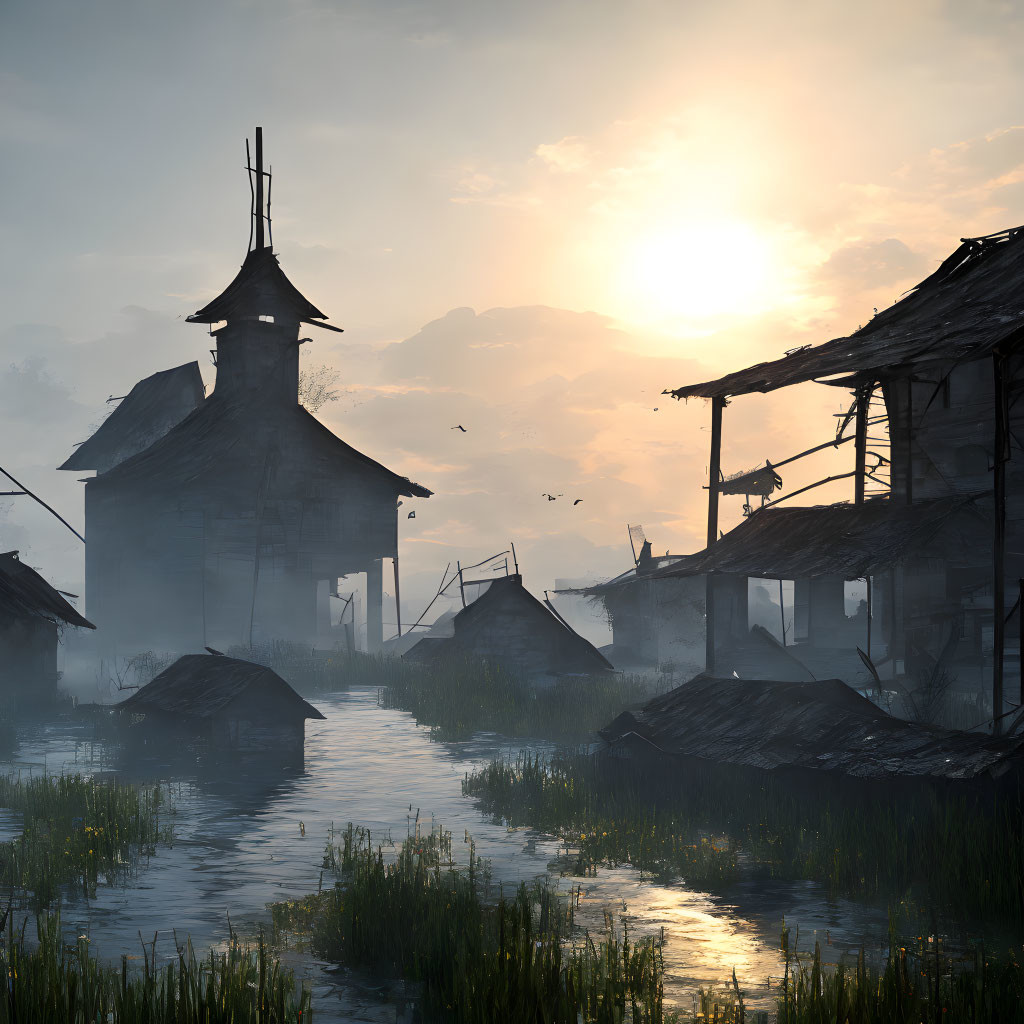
[[223, 530]]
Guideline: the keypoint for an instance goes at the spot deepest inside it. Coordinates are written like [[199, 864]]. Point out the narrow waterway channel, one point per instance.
[[246, 838]]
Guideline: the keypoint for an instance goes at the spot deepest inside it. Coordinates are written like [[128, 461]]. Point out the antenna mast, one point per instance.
[[260, 244]]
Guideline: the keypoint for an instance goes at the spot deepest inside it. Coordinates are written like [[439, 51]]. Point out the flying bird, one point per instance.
[[655, 408], [550, 497], [412, 514], [459, 426], [577, 501]]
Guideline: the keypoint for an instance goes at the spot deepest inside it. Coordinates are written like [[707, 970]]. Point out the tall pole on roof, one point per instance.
[[259, 189], [714, 476]]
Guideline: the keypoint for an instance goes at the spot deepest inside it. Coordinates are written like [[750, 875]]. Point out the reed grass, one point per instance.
[[474, 959], [51, 981], [919, 983], [921, 846], [460, 696], [75, 830]]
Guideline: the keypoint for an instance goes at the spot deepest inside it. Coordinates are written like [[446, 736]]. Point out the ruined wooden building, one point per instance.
[[510, 627], [224, 704], [32, 615], [936, 522], [234, 524]]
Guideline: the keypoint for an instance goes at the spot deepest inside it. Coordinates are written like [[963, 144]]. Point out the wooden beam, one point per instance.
[[375, 606], [259, 189], [715, 466], [1001, 457], [861, 443], [398, 596], [910, 441]]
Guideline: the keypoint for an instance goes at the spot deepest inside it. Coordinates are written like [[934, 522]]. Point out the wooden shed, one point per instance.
[[509, 626], [32, 614], [235, 524], [228, 704]]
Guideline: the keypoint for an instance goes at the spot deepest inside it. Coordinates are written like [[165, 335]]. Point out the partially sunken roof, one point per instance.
[[25, 594], [972, 303], [822, 726], [259, 288], [851, 541], [146, 413], [201, 685]]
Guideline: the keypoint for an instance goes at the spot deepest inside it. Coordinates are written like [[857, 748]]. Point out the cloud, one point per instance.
[[863, 265], [570, 154]]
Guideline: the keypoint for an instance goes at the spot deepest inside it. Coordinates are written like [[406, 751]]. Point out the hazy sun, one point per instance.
[[698, 271]]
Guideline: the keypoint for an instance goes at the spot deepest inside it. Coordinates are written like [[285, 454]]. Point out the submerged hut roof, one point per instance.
[[25, 594], [822, 726], [845, 540], [507, 623], [145, 414], [201, 685], [970, 304]]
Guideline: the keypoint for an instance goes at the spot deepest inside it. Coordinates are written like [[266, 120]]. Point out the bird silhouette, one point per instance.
[[459, 426], [655, 408], [412, 514], [577, 501], [550, 497]]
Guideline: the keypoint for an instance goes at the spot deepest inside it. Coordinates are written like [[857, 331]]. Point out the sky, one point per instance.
[[530, 218]]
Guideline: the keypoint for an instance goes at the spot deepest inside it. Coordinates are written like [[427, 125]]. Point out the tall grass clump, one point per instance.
[[51, 981], [474, 959], [459, 696], [76, 829], [925, 846], [918, 984]]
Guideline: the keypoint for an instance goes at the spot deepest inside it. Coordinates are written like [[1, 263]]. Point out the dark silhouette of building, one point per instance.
[[221, 531], [32, 613], [507, 625], [229, 704], [937, 520]]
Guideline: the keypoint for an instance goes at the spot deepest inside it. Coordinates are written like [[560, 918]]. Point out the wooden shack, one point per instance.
[[234, 526], [32, 615], [933, 381], [508, 626], [816, 727], [223, 703]]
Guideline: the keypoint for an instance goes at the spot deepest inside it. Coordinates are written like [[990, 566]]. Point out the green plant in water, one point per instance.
[[75, 830], [476, 960], [52, 981], [960, 854]]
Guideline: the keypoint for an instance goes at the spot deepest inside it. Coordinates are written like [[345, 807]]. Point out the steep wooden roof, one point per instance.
[[200, 685], [221, 430], [25, 594], [259, 287], [145, 414], [970, 305]]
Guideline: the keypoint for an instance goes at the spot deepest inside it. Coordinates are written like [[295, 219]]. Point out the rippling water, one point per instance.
[[239, 846]]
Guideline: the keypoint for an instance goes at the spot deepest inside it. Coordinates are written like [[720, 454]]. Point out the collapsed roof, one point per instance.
[[25, 594], [972, 303], [822, 726], [201, 685], [145, 414]]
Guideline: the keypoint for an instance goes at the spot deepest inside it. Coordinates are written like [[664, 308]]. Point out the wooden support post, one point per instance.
[[714, 476], [259, 189], [462, 588], [715, 466], [782, 612], [867, 582], [375, 606], [1001, 456], [910, 441], [1020, 641], [398, 596], [861, 442]]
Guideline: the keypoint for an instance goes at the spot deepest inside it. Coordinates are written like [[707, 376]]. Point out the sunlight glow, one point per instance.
[[700, 270]]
